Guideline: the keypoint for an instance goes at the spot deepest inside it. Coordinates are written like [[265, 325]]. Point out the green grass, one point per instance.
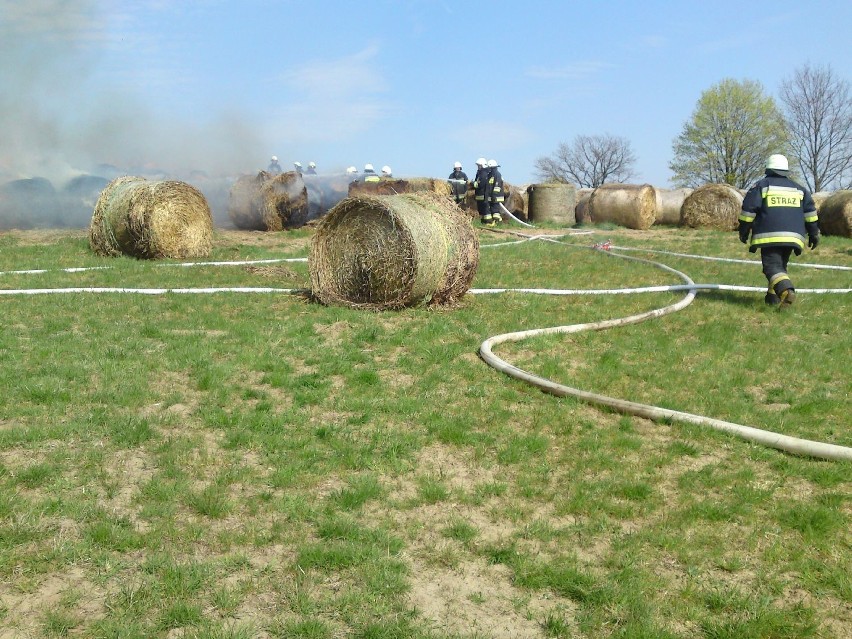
[[241, 465]]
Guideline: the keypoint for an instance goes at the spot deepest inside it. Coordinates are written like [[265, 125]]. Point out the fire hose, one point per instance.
[[786, 443], [793, 445]]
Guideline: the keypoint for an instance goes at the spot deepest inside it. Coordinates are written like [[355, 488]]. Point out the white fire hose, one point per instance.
[[793, 445], [785, 443]]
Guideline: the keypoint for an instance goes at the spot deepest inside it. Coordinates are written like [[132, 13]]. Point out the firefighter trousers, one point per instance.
[[774, 260]]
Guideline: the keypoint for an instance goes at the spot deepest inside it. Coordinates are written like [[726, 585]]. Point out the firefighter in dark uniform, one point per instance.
[[497, 194], [481, 193], [458, 182], [369, 174], [779, 214]]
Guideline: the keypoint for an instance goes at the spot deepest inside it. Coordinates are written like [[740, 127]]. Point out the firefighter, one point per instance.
[[480, 192], [298, 167], [312, 168], [778, 213], [274, 168], [370, 174], [458, 182], [496, 191]]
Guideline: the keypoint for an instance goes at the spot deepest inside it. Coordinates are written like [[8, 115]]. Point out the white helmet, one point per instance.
[[386, 170], [274, 158], [298, 165], [777, 162], [457, 165], [481, 162], [351, 170], [492, 163], [312, 165], [368, 167]]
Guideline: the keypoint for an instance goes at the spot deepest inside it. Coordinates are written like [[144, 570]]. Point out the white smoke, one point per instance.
[[61, 117]]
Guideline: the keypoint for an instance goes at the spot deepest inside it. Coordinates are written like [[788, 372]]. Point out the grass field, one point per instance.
[[256, 465]]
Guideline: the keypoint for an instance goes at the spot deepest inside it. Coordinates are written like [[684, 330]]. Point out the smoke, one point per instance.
[[62, 117]]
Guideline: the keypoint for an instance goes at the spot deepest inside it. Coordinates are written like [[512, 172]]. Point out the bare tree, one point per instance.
[[818, 110], [589, 161]]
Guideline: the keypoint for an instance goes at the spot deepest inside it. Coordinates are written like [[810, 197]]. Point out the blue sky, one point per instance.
[[221, 85]]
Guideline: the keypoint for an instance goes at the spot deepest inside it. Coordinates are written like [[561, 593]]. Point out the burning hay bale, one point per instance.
[[79, 197], [553, 202], [29, 203], [151, 219], [669, 202], [392, 252], [835, 214], [284, 202], [392, 186], [712, 206], [633, 206], [244, 202]]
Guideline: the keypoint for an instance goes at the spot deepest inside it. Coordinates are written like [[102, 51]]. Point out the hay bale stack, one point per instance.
[[669, 202], [151, 219], [633, 206], [581, 209], [393, 251], [245, 203], [712, 206], [835, 214], [394, 186], [553, 202], [284, 201]]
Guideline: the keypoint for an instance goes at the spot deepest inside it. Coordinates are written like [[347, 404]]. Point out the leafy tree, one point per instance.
[[818, 109], [734, 128], [589, 161]]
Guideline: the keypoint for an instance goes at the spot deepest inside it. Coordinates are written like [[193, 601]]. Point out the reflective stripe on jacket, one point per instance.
[[495, 182]]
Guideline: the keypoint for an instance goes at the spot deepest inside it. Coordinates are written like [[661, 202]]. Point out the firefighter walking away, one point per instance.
[[780, 216]]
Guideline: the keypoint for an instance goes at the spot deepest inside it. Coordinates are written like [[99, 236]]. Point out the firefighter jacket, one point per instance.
[[778, 212], [370, 176], [480, 184], [495, 184], [458, 182]]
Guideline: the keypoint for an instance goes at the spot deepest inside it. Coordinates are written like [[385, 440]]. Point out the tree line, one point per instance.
[[734, 128]]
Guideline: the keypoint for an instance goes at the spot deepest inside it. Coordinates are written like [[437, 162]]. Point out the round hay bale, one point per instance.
[[712, 206], [516, 200], [29, 203], [394, 186], [79, 197], [581, 209], [151, 219], [245, 204], [284, 201], [820, 197], [392, 252], [553, 202], [669, 202], [633, 206], [835, 214], [316, 198]]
